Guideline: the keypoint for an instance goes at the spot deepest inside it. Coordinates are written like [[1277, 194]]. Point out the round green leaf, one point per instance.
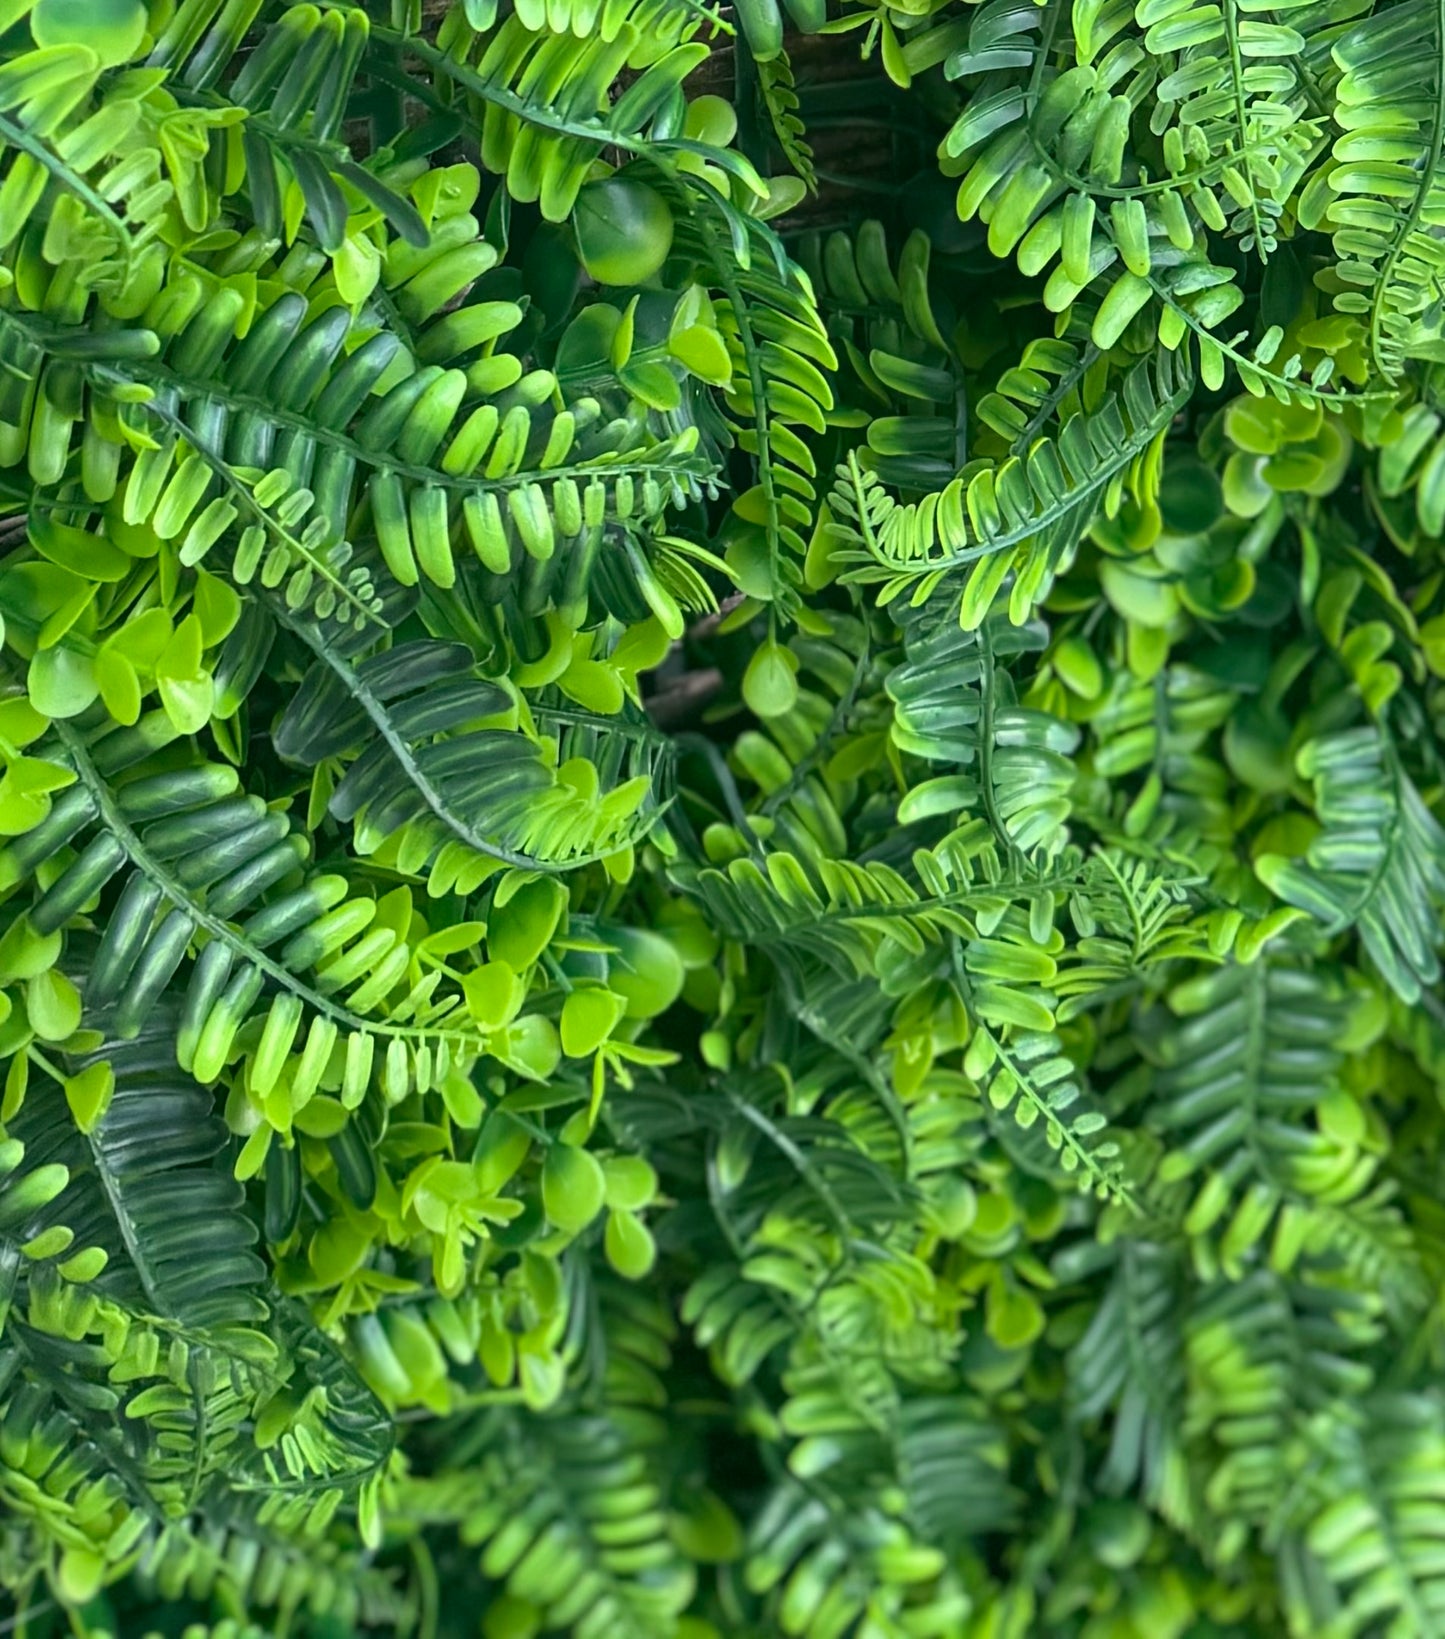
[[587, 1020], [89, 1095], [52, 1004], [707, 1530], [645, 971], [631, 1182], [1257, 747], [624, 230], [112, 29], [518, 932], [629, 1245], [770, 684], [1118, 1532], [573, 1187], [61, 682]]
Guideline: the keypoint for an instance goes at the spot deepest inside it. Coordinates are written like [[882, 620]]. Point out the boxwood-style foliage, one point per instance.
[[714, 928]]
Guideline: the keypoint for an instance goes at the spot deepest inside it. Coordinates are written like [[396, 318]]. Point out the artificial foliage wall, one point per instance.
[[722, 880]]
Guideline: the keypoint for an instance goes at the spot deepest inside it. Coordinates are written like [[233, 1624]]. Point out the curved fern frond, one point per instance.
[[200, 439], [289, 93], [780, 97], [1267, 1354], [880, 311], [1053, 380], [1130, 1362], [849, 1562], [258, 1568], [1378, 864], [781, 360], [196, 1385], [568, 1513], [80, 146], [1233, 98], [143, 1189], [845, 912], [421, 777], [1028, 1074], [1050, 164]]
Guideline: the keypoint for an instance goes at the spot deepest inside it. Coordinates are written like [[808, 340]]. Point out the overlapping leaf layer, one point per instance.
[[713, 927]]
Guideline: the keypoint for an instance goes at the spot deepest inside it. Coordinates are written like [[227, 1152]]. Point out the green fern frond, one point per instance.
[[1391, 97], [447, 796], [1368, 1554], [179, 433], [779, 94], [781, 360], [1249, 1104], [953, 704], [200, 857], [1025, 400], [1378, 864], [1023, 515], [544, 97], [568, 1514], [822, 1564]]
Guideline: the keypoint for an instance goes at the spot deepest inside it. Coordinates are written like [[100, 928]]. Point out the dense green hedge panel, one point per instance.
[[713, 925]]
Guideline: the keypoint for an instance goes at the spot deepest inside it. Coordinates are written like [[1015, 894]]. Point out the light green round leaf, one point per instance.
[[587, 1020], [78, 550], [770, 684], [518, 932], [749, 560], [61, 682], [112, 29], [629, 1245], [530, 1045], [119, 686], [494, 994], [595, 685], [631, 1182], [1139, 598], [708, 1531], [1013, 1317], [645, 971], [624, 230], [24, 953], [81, 1573], [573, 1187], [1246, 491], [1078, 667], [703, 352], [1261, 425], [89, 1095], [52, 1004], [1257, 748], [712, 120]]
